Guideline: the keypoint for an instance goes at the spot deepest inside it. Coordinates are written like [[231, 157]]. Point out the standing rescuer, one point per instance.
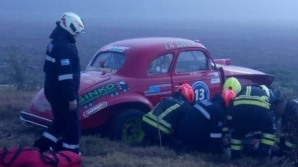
[[62, 82], [162, 122]]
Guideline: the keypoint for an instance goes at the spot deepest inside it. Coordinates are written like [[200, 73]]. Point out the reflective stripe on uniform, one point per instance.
[[215, 135], [237, 148], [235, 141], [51, 59], [288, 144], [267, 142], [159, 126], [70, 146], [259, 98], [225, 129], [248, 90], [236, 145], [203, 111], [268, 136], [161, 121], [229, 117], [252, 102], [50, 137], [65, 77], [167, 111]]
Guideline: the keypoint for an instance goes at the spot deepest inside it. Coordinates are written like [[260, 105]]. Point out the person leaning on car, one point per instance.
[[62, 82], [160, 124], [201, 128]]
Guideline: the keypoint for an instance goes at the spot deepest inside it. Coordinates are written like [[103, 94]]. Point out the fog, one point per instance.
[[247, 31], [141, 12]]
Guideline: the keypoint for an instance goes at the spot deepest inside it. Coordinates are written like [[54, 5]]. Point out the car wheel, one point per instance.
[[127, 126]]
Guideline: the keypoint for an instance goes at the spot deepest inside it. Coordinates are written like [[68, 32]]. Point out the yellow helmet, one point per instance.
[[233, 84]]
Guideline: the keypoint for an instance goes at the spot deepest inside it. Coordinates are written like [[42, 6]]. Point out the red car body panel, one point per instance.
[[103, 93]]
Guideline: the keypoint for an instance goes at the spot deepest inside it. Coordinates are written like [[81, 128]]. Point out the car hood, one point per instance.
[[92, 78]]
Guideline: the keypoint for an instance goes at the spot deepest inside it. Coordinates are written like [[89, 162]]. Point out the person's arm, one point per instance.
[[65, 73]]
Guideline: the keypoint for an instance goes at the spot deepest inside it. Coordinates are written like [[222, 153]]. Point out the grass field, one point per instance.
[[269, 48]]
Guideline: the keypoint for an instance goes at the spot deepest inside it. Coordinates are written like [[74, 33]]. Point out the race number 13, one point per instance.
[[201, 91]]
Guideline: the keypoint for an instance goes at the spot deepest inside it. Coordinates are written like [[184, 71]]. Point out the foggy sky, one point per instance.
[[143, 11]]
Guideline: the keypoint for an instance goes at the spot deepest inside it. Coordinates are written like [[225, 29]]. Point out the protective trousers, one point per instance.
[[65, 123], [251, 118]]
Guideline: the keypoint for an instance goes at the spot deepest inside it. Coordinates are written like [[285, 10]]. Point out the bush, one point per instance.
[[19, 65]]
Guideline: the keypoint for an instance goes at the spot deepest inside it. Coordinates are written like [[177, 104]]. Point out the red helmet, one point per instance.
[[187, 91], [228, 95]]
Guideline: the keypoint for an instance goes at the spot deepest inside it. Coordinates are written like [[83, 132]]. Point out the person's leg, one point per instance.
[[240, 121], [71, 130], [50, 136], [268, 136]]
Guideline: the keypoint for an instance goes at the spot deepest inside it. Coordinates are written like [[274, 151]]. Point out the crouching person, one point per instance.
[[161, 123], [251, 112], [287, 110], [201, 128]]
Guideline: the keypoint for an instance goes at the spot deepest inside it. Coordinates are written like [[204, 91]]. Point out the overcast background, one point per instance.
[[252, 30]]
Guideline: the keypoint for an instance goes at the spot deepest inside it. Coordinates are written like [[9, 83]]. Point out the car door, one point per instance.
[[193, 66], [158, 83]]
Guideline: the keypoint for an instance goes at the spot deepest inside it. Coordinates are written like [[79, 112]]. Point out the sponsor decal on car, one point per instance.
[[95, 109], [215, 80], [181, 44], [201, 90], [108, 70], [117, 48], [109, 89], [156, 90]]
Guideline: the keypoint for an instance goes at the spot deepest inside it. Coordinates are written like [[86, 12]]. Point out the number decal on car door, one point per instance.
[[200, 94], [201, 91]]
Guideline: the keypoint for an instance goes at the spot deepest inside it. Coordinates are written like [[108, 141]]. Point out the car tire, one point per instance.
[[127, 126]]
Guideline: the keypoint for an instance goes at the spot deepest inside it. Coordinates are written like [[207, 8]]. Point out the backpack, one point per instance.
[[31, 157]]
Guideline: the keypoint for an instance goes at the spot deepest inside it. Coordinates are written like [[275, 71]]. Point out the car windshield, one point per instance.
[[108, 62]]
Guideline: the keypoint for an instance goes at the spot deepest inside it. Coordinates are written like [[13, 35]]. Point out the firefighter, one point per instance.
[[160, 124], [201, 128], [62, 81], [251, 112], [287, 110]]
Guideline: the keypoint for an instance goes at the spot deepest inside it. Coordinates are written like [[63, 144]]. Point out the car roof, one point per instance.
[[154, 44], [141, 51]]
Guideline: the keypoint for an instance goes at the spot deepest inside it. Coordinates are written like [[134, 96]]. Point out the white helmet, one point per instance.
[[72, 23]]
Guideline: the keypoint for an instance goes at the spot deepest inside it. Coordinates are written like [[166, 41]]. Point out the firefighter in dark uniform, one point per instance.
[[201, 128], [62, 82], [251, 112], [287, 110], [161, 123]]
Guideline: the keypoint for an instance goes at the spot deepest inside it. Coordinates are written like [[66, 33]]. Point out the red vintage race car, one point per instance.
[[126, 79]]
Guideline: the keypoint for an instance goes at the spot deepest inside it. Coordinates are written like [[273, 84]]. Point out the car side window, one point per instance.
[[190, 61], [161, 65]]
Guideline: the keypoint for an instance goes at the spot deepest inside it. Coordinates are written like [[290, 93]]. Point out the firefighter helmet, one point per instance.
[[187, 91], [228, 95], [72, 23], [233, 84]]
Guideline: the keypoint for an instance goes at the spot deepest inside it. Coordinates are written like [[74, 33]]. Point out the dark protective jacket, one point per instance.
[[289, 126], [62, 66], [167, 114], [202, 127]]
